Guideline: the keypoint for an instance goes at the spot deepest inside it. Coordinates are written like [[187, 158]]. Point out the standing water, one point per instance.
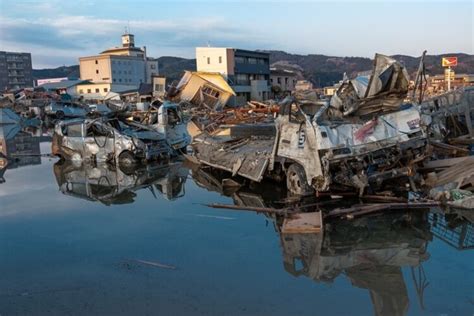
[[97, 240]]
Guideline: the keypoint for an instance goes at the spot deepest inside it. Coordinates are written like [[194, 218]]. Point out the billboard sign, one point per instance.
[[449, 61]]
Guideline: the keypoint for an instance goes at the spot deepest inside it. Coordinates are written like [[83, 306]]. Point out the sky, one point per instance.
[[58, 32]]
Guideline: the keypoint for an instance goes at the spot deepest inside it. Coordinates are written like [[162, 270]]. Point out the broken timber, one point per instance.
[[363, 209]]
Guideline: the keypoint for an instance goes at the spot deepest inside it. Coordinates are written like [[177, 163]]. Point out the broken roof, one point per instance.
[[215, 78]]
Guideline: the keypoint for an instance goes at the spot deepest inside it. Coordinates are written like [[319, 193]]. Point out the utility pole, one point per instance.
[[449, 78]]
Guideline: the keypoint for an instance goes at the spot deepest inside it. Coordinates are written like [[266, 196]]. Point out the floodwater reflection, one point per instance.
[[111, 184], [389, 257]]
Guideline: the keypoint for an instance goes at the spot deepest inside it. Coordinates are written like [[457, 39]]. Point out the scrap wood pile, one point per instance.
[[254, 112], [452, 182]]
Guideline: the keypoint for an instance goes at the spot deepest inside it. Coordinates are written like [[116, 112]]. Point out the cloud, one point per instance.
[[71, 36]]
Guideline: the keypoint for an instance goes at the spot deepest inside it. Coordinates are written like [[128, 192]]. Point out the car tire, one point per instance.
[[296, 181]]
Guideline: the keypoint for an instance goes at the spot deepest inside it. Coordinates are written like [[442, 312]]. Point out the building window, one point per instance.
[[242, 79], [208, 60], [271, 80], [97, 90], [286, 80], [89, 91], [239, 60], [81, 91], [97, 71], [96, 62], [120, 80], [113, 71], [220, 59], [152, 66], [159, 87], [106, 89], [279, 80], [252, 61], [114, 80]]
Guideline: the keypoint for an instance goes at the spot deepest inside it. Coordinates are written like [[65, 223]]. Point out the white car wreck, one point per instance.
[[105, 140]]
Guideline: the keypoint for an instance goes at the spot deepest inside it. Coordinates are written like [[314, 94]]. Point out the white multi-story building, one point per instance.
[[126, 65]]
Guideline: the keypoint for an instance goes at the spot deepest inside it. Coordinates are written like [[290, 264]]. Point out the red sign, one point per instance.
[[449, 61]]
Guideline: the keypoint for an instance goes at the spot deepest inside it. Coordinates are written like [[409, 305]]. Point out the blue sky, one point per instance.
[[57, 32]]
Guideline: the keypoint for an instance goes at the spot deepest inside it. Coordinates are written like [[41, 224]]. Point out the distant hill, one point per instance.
[[322, 70], [174, 67], [60, 72], [326, 70]]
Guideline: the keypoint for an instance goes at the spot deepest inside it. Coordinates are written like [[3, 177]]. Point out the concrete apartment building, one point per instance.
[[15, 71], [247, 72], [125, 65], [284, 79]]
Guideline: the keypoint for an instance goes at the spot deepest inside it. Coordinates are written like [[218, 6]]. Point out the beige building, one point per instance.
[[99, 90], [209, 88], [126, 65], [247, 72], [331, 90], [159, 86]]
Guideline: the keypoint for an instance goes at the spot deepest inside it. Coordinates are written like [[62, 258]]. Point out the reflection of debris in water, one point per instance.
[[110, 185], [370, 251], [453, 228]]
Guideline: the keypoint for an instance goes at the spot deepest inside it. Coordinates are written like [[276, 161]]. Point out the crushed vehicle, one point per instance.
[[168, 120], [360, 139], [104, 140], [450, 115]]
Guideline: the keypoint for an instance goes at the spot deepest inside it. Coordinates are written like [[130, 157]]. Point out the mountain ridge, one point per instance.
[[322, 70]]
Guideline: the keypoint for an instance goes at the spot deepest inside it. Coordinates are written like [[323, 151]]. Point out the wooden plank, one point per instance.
[[443, 163]]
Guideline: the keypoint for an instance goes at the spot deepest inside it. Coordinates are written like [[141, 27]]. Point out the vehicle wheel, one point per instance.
[[296, 181], [59, 115]]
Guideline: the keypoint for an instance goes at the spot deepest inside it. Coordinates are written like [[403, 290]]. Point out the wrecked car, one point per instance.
[[67, 109], [355, 143], [64, 109], [167, 119], [104, 140]]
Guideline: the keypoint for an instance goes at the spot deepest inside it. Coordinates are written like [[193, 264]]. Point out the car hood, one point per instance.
[[148, 135]]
